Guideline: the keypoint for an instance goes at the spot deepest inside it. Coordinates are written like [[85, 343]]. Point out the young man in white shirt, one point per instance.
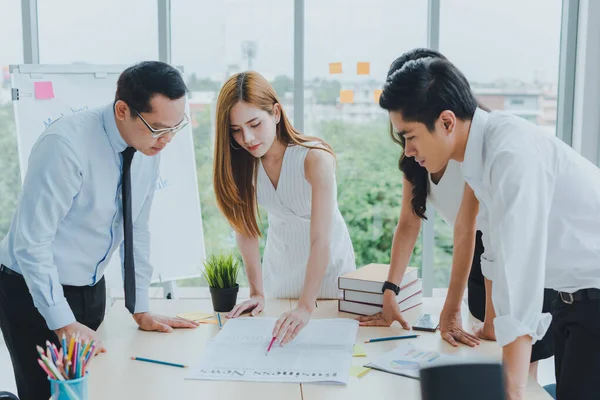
[[543, 202]]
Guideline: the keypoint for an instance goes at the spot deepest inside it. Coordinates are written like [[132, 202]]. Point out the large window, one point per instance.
[[349, 45], [11, 52], [110, 32], [521, 43], [518, 74], [214, 39], [342, 108]]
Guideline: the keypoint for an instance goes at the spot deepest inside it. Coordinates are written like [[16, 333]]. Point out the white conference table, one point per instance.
[[114, 375]]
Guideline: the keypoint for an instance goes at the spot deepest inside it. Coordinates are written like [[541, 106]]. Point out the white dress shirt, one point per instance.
[[543, 203], [446, 197], [69, 218]]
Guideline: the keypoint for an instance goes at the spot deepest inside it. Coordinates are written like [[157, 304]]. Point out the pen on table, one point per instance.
[[148, 360], [219, 318], [270, 344], [385, 339]]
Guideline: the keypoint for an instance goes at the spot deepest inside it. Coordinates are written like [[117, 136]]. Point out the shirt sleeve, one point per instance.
[[52, 180], [141, 252], [521, 200]]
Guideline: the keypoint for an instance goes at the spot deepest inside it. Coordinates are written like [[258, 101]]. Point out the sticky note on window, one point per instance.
[[346, 96], [377, 95], [358, 371], [359, 351], [43, 90], [363, 68], [335, 68]]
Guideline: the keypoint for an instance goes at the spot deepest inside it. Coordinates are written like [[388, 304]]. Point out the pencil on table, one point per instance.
[[148, 360]]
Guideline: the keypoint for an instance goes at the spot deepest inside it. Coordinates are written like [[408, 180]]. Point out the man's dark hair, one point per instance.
[[414, 54], [139, 83], [413, 172], [423, 88]]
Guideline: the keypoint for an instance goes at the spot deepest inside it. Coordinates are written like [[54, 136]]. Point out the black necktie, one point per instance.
[[128, 263]]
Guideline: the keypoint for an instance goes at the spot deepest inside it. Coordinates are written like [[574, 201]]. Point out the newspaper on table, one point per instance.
[[321, 353]]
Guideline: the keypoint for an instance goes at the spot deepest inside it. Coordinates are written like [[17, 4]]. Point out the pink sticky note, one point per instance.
[[43, 90]]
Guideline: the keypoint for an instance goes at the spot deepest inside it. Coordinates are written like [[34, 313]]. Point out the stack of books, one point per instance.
[[362, 289]]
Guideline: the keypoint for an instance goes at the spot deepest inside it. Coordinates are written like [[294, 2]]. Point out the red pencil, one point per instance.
[[270, 344]]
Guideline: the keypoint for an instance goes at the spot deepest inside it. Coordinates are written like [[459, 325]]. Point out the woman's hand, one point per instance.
[[256, 303], [290, 324]]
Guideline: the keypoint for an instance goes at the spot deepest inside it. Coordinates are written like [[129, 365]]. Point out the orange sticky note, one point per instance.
[[363, 68], [346, 96], [43, 90], [335, 68], [377, 95]]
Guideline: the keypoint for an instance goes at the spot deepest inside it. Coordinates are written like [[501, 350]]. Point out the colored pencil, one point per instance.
[[270, 345], [148, 360], [219, 318], [385, 339], [64, 344]]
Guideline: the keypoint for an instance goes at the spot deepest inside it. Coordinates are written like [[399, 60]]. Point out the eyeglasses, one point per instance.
[[156, 133]]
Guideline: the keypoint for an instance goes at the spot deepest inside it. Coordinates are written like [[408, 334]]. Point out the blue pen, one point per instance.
[[385, 339], [219, 318]]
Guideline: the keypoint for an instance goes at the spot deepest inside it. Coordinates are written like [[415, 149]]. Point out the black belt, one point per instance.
[[583, 294], [5, 270]]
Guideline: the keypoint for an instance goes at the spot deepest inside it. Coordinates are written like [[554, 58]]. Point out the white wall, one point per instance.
[[586, 121]]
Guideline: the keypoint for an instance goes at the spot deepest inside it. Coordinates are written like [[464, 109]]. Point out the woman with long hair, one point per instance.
[[260, 159], [456, 203]]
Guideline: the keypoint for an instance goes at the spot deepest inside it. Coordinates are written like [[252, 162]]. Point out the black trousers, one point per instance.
[[23, 327], [543, 348], [577, 341]]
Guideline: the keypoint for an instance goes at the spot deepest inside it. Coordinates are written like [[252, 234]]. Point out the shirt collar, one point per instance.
[[472, 164], [110, 127]]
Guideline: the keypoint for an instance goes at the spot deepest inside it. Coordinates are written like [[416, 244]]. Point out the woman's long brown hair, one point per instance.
[[235, 171]]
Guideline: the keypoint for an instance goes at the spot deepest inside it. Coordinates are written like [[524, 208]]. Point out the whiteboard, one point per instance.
[[177, 239]]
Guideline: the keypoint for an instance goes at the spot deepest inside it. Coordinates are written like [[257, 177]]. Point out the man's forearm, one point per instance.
[[464, 246], [515, 357], [490, 314], [402, 246]]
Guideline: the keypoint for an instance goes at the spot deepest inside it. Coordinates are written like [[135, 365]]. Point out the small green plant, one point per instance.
[[221, 270]]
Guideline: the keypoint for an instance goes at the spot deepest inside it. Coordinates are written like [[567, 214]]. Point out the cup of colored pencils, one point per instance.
[[67, 368]]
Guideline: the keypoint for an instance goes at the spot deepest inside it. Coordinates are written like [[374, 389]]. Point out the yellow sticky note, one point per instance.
[[358, 371], [377, 95], [359, 351], [346, 96], [196, 316], [363, 68], [335, 68]]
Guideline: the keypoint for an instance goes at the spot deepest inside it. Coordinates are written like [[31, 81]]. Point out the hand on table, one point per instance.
[[85, 333], [154, 322], [452, 331], [484, 331], [391, 312], [256, 303]]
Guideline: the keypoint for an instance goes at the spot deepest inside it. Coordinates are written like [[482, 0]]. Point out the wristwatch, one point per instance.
[[391, 286]]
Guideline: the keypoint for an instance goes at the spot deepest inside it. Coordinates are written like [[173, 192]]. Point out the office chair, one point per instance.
[[473, 381]]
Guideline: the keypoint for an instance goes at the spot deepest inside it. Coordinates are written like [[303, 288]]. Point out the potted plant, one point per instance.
[[221, 272]]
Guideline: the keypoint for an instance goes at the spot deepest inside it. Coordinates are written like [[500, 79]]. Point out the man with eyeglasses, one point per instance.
[[88, 191]]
